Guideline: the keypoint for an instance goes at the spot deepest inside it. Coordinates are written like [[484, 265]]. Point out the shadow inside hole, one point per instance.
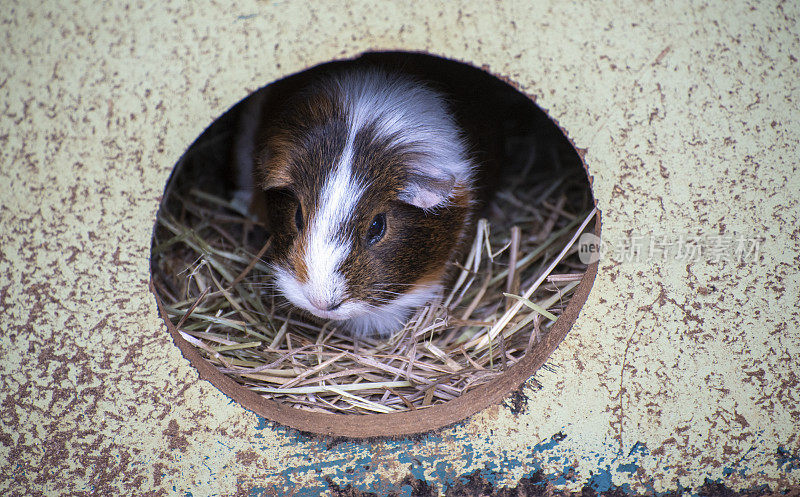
[[520, 148]]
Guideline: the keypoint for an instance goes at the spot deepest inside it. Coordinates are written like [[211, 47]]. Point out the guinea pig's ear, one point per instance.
[[272, 170], [272, 178], [426, 191]]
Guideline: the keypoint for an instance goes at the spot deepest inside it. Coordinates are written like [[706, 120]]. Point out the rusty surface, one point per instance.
[[680, 375]]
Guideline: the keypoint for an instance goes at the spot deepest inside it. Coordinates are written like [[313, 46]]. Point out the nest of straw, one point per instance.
[[516, 280]]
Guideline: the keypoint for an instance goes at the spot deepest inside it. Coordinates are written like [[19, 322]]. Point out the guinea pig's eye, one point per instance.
[[298, 218], [376, 229]]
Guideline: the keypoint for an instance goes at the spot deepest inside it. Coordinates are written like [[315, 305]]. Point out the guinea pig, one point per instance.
[[368, 192]]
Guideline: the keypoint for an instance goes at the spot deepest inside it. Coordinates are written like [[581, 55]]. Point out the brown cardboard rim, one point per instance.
[[401, 423]]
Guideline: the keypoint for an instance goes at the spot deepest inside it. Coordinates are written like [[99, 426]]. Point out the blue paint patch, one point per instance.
[[353, 462], [263, 424], [727, 471], [601, 481], [444, 471], [416, 469], [308, 492], [562, 478], [785, 458], [550, 443]]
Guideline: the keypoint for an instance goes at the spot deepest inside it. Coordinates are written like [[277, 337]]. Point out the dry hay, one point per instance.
[[516, 280]]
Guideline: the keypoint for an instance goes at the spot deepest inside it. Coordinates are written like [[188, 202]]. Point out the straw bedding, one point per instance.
[[210, 273]]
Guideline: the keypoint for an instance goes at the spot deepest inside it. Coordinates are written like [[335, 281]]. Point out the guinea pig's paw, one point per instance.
[[241, 201], [374, 325]]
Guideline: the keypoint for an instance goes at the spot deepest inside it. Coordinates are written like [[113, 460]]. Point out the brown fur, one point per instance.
[[298, 148]]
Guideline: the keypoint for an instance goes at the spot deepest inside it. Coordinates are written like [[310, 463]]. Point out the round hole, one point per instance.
[[511, 292]]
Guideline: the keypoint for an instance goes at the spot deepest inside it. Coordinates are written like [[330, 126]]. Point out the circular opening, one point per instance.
[[496, 277]]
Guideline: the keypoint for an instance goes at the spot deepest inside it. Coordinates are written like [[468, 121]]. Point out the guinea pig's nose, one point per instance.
[[325, 304]]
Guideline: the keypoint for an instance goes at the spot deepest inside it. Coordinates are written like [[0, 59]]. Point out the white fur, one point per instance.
[[326, 250], [361, 318], [392, 316], [416, 117]]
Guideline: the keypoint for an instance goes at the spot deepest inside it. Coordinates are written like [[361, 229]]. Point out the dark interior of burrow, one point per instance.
[[530, 170]]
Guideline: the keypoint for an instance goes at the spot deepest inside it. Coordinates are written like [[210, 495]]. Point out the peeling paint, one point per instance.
[[679, 377]]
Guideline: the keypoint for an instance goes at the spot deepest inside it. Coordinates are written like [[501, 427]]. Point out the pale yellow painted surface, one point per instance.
[[690, 116]]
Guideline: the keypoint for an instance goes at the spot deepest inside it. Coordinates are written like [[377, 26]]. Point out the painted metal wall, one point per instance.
[[679, 370]]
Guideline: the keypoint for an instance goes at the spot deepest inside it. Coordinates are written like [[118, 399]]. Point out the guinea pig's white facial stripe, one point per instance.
[[326, 245]]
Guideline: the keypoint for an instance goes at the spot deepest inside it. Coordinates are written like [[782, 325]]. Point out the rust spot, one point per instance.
[[247, 457], [661, 55], [176, 439], [517, 402]]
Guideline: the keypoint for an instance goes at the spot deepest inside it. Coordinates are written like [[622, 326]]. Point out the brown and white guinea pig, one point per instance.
[[367, 190]]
